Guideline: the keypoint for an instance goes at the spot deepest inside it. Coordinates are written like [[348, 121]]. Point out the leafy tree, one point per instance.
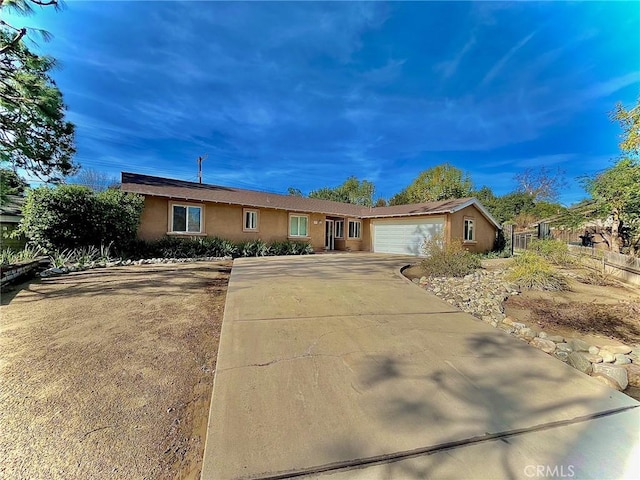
[[71, 216], [296, 192], [441, 182], [95, 180], [508, 206], [616, 192], [10, 184], [540, 183], [34, 134], [400, 198], [630, 122], [351, 191], [381, 202]]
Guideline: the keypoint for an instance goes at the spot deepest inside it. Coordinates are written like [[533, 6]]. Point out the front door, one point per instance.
[[329, 235]]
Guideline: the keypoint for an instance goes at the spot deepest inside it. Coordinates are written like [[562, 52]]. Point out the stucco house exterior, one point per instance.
[[176, 207]]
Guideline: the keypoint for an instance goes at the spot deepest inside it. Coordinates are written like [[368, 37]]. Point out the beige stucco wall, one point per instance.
[[485, 230], [226, 221]]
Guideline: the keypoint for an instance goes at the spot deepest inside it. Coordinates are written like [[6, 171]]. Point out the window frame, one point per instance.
[[359, 229], [465, 229], [187, 206], [247, 211], [297, 215], [335, 229]]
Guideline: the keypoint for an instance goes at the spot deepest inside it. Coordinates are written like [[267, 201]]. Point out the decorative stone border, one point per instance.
[[482, 295], [55, 271], [12, 273]]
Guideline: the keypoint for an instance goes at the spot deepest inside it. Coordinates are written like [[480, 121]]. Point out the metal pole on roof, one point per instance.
[[200, 159]]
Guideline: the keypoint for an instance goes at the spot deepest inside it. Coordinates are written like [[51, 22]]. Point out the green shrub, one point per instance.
[[72, 216], [194, 247], [532, 271], [448, 259], [554, 251], [27, 254]]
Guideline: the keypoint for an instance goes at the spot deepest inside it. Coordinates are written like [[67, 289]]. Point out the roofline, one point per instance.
[[479, 206], [361, 215], [249, 204]]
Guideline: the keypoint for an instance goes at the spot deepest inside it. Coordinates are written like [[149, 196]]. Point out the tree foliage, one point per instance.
[[351, 191], [72, 216], [441, 182], [616, 192], [629, 120], [10, 184], [34, 134]]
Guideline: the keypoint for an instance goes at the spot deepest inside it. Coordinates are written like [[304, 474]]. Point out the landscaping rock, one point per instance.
[[609, 382], [578, 361], [593, 358], [543, 335], [564, 347], [578, 345], [518, 325], [621, 359], [560, 355], [615, 372], [617, 349], [633, 374], [508, 321], [527, 333], [607, 356], [506, 328], [594, 350], [555, 338], [546, 346]]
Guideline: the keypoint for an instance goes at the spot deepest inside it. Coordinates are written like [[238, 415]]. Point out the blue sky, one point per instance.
[[306, 94]]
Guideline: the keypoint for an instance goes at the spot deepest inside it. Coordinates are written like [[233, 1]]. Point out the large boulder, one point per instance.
[[633, 374], [578, 345], [614, 372], [578, 361]]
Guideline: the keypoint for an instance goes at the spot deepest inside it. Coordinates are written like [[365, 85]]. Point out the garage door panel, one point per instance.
[[404, 236]]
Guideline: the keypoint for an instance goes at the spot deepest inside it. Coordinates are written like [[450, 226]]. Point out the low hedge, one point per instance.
[[192, 247]]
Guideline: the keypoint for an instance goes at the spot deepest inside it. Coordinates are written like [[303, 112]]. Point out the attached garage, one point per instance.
[[404, 236]]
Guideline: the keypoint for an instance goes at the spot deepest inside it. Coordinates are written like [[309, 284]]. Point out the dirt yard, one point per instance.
[[108, 373]]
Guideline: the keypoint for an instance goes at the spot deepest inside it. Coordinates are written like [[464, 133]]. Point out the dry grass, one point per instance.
[[531, 271], [108, 373], [620, 321]]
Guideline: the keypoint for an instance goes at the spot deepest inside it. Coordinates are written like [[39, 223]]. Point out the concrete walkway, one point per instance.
[[334, 366]]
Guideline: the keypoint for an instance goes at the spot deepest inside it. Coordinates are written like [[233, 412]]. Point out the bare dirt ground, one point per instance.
[[596, 313], [108, 373]]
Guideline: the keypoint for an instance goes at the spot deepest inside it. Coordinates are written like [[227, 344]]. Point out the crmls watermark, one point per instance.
[[553, 471]]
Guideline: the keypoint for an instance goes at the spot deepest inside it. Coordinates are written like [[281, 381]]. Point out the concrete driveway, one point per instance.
[[333, 366]]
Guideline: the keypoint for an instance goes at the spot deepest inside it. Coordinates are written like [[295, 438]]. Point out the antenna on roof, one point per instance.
[[200, 159]]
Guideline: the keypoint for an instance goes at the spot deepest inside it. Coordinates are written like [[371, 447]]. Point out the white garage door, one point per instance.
[[404, 236]]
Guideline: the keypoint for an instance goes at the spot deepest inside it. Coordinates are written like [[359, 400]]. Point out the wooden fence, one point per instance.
[[622, 266]]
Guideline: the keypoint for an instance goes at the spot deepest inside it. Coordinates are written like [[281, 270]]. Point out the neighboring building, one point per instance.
[[175, 207], [10, 217]]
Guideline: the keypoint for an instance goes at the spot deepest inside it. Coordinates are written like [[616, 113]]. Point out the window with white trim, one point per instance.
[[339, 228], [186, 219], [250, 220], [469, 230], [354, 228], [298, 225]]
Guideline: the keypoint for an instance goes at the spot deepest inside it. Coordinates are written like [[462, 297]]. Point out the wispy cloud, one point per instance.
[[449, 67], [499, 65]]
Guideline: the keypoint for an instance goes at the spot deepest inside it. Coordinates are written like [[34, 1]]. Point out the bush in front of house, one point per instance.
[[532, 271], [448, 259], [194, 247], [69, 217]]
